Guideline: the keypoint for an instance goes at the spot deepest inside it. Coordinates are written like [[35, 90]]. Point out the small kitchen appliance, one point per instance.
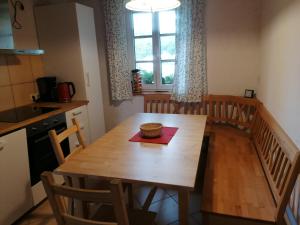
[[66, 91], [47, 89]]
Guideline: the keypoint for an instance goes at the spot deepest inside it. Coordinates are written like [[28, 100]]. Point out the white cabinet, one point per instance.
[[69, 40], [15, 189], [81, 115]]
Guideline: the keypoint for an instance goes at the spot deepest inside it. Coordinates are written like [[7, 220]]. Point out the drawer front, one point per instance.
[[81, 115], [73, 141]]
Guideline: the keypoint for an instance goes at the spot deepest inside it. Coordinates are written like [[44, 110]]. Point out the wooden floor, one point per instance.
[[234, 180]]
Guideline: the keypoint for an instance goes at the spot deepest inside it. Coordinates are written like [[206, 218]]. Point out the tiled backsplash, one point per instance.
[[17, 79]]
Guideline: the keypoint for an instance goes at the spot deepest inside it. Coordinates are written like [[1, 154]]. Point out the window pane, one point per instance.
[[146, 72], [167, 22], [142, 24], [143, 49], [167, 45], [167, 72]]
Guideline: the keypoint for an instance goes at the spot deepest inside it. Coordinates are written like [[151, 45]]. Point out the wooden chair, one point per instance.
[[112, 211], [158, 103], [56, 140]]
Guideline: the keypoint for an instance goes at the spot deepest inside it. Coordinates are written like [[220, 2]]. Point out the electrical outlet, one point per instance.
[[34, 97]]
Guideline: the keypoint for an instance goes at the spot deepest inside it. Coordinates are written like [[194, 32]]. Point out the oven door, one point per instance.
[[41, 154]]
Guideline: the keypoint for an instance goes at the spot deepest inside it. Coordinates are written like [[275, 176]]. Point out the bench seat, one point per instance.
[[235, 184]]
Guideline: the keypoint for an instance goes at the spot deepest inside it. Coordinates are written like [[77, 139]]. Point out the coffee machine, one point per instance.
[[48, 89]]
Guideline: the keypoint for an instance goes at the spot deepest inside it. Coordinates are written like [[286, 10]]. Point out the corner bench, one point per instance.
[[252, 165]]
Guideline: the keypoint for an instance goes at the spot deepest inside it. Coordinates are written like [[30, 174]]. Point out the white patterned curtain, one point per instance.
[[117, 51], [190, 81]]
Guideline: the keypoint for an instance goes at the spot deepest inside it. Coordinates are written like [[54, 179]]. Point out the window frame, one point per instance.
[[156, 51]]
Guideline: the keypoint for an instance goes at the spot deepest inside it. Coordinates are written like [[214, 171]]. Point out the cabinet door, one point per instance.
[[81, 115], [90, 62], [15, 189]]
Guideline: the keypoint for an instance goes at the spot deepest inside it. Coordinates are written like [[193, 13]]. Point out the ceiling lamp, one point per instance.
[[152, 5]]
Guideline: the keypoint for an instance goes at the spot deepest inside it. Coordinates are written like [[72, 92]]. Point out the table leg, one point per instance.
[[130, 195], [183, 207], [80, 207]]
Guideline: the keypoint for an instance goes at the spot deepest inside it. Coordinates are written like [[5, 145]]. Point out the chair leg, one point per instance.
[[130, 196], [149, 199]]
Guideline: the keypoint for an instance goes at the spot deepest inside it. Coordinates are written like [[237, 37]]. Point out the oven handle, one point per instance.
[[60, 130], [47, 136], [41, 138]]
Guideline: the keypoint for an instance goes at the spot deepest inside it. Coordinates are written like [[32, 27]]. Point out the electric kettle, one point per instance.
[[65, 90]]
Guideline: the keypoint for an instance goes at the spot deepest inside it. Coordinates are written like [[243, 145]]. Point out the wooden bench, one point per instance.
[[252, 165]]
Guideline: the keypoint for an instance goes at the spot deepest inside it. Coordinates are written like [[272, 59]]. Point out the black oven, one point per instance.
[[40, 151]]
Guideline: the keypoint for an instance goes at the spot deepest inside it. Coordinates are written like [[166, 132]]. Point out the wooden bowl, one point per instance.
[[151, 130]]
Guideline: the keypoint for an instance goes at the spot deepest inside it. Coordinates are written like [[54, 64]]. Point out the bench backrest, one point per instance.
[[232, 110], [279, 157], [158, 103]]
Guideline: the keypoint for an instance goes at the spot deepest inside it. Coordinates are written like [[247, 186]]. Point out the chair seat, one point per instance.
[[135, 216]]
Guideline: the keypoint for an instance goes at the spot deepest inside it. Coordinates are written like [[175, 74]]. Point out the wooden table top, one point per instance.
[[113, 156]]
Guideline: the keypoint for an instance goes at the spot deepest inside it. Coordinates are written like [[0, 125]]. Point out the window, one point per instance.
[[154, 48]]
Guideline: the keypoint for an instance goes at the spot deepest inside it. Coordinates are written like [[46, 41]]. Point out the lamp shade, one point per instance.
[[152, 5]]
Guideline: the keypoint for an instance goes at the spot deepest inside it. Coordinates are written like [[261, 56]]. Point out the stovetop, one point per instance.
[[22, 113]]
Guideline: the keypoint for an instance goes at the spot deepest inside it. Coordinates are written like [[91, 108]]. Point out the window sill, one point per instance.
[[143, 93]]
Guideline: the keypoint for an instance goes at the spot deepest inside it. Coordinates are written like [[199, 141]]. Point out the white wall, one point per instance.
[[26, 37], [233, 55], [279, 86], [233, 49], [233, 37], [233, 52]]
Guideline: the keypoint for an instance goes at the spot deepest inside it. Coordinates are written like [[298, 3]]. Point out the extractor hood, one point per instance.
[[6, 34]]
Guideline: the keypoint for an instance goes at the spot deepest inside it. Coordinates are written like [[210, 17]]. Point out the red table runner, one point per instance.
[[165, 138]]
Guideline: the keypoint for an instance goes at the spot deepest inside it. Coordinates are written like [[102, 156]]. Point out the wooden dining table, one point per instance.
[[173, 165]]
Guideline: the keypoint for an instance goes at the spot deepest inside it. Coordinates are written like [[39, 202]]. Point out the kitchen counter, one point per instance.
[[63, 107]]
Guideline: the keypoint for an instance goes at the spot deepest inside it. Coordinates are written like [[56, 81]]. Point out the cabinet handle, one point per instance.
[[88, 79], [1, 148], [76, 113]]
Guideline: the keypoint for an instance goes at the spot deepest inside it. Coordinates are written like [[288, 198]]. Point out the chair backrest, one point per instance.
[[56, 139], [57, 193], [158, 103], [279, 156]]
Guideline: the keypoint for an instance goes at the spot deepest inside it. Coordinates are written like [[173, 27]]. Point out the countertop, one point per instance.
[[63, 107]]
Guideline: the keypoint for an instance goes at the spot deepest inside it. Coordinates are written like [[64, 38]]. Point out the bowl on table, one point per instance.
[[151, 130]]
